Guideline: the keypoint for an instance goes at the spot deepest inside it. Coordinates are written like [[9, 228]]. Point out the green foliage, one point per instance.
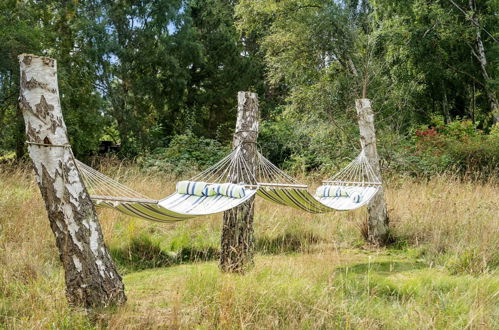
[[457, 147], [221, 70], [460, 146], [145, 72], [19, 33], [414, 59], [185, 153], [308, 145], [150, 70]]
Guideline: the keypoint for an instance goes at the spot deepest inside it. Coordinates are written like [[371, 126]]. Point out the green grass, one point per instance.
[[354, 289], [311, 271]]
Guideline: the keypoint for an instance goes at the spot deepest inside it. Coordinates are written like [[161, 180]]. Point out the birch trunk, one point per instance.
[[91, 277], [377, 222], [482, 59], [237, 232]]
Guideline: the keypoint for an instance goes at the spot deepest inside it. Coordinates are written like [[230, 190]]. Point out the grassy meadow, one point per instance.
[[311, 271]]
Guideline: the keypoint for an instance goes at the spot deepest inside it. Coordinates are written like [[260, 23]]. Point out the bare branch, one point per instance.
[[473, 21]]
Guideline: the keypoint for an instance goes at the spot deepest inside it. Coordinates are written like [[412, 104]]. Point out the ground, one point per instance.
[[311, 271], [337, 289]]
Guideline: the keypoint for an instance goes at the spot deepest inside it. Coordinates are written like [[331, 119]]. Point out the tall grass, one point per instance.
[[311, 272]]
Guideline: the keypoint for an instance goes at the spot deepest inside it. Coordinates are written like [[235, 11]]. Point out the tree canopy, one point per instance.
[[141, 72]]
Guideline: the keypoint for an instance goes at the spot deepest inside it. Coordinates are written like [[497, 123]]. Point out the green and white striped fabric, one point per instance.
[[350, 198], [230, 190], [146, 211], [294, 197], [210, 190], [177, 207]]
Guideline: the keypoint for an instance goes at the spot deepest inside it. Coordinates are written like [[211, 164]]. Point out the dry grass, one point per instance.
[[312, 270]]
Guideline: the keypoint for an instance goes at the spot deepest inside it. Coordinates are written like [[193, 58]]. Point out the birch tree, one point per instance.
[[91, 277], [237, 232]]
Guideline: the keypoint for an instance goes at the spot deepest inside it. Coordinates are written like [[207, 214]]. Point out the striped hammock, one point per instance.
[[108, 193], [351, 188], [357, 181]]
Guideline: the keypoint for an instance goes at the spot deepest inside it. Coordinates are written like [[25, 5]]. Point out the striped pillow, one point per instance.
[[332, 191], [356, 198], [210, 190], [191, 187], [323, 191], [341, 192], [230, 190]]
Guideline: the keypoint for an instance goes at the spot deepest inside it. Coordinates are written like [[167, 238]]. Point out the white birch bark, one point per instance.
[[237, 243], [91, 277], [482, 59], [377, 222]]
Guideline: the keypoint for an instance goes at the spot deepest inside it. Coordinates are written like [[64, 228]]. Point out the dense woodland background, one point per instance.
[[160, 77]]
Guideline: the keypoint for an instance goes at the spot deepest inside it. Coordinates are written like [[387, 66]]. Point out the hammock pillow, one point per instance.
[[341, 192], [236, 191], [210, 190], [332, 191], [191, 188], [356, 198], [230, 190], [323, 191]]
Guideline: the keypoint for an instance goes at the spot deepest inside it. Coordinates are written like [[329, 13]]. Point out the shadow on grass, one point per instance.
[[287, 243], [143, 253]]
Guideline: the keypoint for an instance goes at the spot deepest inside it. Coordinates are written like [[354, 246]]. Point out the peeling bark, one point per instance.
[[237, 232], [377, 222], [91, 277]]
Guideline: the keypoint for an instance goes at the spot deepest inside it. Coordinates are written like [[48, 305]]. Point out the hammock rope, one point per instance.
[[358, 172], [99, 184]]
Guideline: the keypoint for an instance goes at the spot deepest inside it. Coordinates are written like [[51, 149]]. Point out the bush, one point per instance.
[[457, 147], [478, 155], [185, 153]]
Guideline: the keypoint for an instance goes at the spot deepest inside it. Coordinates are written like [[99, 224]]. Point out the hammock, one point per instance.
[[351, 188], [108, 193]]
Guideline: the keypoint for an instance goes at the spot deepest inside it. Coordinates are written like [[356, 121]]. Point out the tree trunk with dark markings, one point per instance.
[[91, 277], [237, 232], [377, 222]]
